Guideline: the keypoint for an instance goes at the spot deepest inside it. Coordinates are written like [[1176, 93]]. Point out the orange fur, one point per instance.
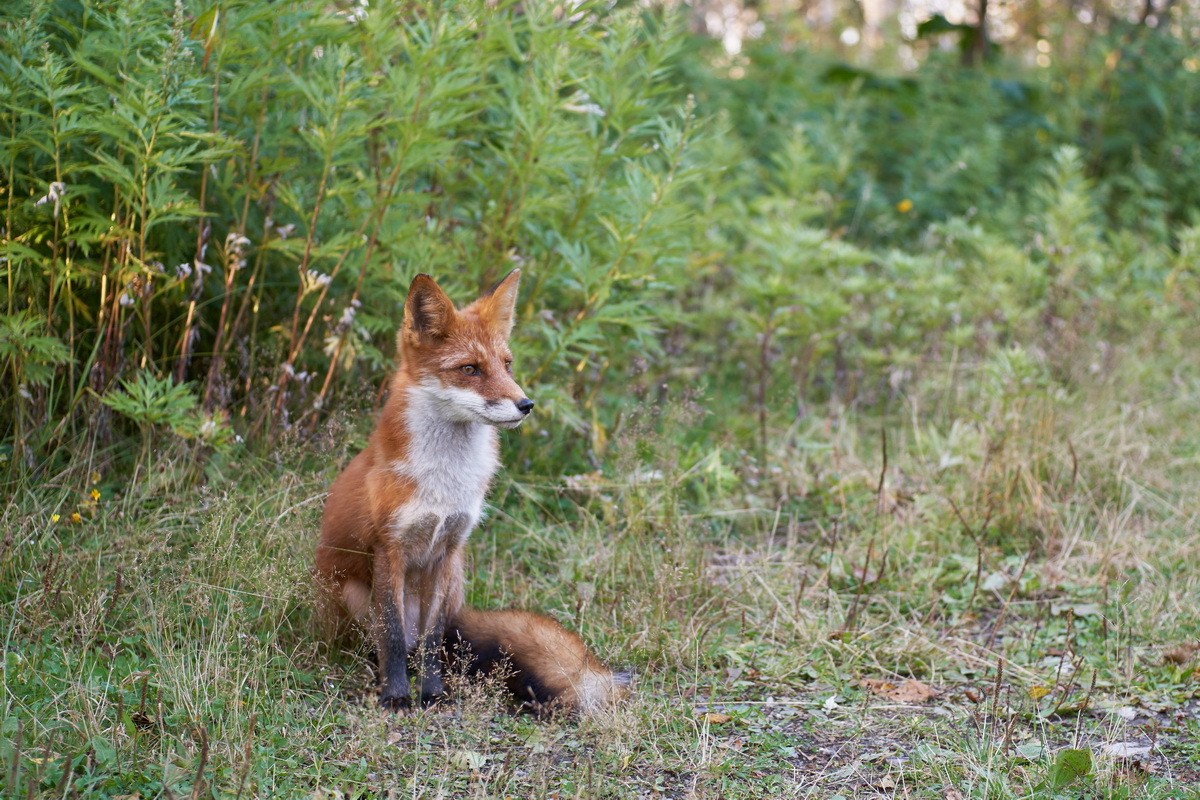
[[545, 666], [391, 552]]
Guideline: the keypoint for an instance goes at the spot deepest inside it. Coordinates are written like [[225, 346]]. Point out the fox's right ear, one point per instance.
[[428, 311]]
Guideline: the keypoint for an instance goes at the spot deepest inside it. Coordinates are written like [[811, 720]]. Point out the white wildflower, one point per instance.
[[314, 280], [125, 299], [236, 241], [183, 271], [347, 318], [54, 194], [356, 13], [235, 250], [582, 104]]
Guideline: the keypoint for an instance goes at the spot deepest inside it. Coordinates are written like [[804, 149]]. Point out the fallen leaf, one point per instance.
[[876, 685], [713, 718], [1182, 654], [468, 759], [1078, 609], [914, 691], [1126, 750], [953, 794], [909, 692], [1038, 692]]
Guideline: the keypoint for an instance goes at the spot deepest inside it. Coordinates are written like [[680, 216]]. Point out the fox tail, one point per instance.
[[545, 666]]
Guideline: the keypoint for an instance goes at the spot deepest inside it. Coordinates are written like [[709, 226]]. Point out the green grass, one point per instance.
[[165, 646]]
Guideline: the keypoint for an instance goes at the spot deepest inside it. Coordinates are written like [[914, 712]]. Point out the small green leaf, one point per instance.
[[1031, 752], [105, 753], [1069, 766]]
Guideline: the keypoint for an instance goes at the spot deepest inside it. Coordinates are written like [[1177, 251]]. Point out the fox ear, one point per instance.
[[428, 311], [501, 302]]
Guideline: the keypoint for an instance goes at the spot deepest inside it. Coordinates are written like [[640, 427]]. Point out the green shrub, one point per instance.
[[236, 196], [233, 198]]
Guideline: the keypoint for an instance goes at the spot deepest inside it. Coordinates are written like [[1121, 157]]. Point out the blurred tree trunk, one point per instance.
[[976, 50]]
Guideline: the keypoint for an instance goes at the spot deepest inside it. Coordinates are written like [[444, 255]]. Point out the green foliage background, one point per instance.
[[234, 197], [244, 192], [745, 279]]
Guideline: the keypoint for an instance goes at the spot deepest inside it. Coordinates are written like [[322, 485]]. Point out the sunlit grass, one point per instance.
[[162, 641]]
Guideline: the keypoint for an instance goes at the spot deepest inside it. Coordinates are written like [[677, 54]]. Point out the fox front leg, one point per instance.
[[394, 694], [432, 687], [443, 600]]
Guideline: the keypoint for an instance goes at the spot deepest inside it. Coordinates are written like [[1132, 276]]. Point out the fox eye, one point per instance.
[[469, 369], [508, 364]]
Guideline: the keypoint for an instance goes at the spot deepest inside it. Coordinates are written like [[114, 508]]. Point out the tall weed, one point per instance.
[[236, 196]]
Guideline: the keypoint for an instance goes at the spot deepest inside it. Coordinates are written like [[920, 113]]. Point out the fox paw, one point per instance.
[[395, 703]]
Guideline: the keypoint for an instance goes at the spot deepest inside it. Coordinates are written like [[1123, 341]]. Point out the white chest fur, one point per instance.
[[450, 465]]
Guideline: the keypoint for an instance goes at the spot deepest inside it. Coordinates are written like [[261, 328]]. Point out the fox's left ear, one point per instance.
[[428, 312], [501, 302]]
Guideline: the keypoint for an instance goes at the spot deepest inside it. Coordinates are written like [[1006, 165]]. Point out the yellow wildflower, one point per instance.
[[95, 494], [55, 517], [76, 517], [904, 206], [95, 477]]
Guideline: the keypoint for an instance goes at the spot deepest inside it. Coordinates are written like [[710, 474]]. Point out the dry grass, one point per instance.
[[1027, 554]]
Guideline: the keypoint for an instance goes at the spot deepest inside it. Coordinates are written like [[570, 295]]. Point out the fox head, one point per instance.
[[458, 359]]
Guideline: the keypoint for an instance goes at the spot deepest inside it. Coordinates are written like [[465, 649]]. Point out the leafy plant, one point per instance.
[[31, 359], [152, 403]]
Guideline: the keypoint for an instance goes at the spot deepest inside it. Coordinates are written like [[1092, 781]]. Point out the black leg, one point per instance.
[[432, 687], [444, 591], [393, 656]]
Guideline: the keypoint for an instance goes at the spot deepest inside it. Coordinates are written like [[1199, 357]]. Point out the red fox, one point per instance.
[[396, 522]]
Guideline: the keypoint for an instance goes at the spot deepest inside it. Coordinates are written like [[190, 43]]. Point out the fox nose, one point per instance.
[[524, 405]]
